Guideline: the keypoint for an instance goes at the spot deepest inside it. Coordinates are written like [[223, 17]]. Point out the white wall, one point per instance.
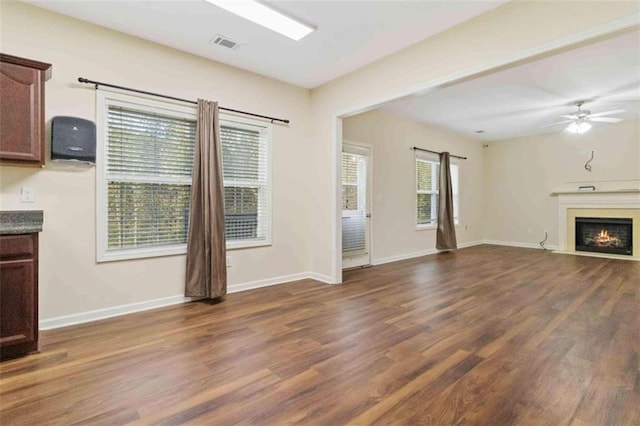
[[520, 175], [506, 34], [70, 279], [393, 202]]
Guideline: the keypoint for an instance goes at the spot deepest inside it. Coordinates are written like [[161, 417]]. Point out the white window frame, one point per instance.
[[266, 132], [432, 158], [106, 98]]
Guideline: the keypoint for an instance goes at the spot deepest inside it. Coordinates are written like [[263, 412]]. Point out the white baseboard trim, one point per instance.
[[237, 288], [470, 244], [98, 314], [130, 308], [406, 256], [320, 277], [522, 245]]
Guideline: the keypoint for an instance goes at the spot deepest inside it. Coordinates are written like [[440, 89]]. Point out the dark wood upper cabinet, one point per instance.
[[22, 110]]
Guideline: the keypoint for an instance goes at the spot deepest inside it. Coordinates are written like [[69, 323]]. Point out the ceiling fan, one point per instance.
[[579, 122]]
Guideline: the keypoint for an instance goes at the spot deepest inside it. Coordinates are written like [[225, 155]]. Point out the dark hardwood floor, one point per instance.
[[487, 335]]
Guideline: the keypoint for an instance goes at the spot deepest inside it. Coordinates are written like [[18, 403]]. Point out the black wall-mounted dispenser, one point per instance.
[[73, 139]]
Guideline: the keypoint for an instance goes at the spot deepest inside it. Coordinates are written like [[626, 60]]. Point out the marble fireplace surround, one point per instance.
[[623, 203]]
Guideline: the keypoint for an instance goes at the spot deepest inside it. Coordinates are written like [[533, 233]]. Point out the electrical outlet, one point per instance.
[[27, 195]]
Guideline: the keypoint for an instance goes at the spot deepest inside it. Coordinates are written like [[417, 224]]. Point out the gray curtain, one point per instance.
[[446, 233], [206, 250]]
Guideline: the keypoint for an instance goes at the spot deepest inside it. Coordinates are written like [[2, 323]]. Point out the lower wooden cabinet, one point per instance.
[[18, 295]]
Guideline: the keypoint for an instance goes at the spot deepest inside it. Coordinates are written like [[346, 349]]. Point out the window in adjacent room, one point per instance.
[[144, 172], [427, 178]]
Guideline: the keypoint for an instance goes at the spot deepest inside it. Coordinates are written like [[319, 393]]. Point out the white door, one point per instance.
[[356, 202]]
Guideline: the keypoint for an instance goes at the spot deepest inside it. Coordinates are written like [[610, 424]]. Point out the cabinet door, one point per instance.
[[21, 109], [17, 302]]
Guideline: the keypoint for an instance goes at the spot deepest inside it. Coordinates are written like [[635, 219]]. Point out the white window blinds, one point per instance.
[[245, 164], [148, 172], [353, 203]]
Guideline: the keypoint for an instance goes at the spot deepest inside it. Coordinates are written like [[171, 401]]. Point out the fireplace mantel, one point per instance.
[[617, 191], [596, 200]]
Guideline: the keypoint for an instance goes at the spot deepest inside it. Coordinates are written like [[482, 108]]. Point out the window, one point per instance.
[[352, 174], [427, 178], [354, 202], [247, 192], [144, 171]]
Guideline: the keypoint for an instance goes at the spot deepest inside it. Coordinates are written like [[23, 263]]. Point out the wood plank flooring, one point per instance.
[[486, 335]]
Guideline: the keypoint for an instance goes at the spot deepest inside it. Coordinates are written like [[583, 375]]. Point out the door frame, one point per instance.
[[346, 143]]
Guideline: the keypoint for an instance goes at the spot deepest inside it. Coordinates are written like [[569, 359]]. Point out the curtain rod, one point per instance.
[[99, 83], [415, 148]]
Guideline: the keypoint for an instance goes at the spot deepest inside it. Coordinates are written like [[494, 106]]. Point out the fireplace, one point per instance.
[[604, 235], [598, 204]]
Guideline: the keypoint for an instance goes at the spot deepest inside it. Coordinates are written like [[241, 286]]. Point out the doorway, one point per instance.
[[356, 205]]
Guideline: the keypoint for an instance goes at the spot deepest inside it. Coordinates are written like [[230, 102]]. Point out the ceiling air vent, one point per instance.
[[223, 41]]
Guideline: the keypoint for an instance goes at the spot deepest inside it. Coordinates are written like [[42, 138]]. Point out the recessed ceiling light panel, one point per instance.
[[266, 16]]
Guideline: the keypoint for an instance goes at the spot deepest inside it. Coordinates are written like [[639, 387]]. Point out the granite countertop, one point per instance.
[[21, 221]]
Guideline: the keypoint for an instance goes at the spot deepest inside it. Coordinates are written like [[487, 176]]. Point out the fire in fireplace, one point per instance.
[[604, 235]]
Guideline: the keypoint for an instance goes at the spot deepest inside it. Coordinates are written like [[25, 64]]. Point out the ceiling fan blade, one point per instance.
[[613, 111], [559, 122], [606, 119], [573, 117]]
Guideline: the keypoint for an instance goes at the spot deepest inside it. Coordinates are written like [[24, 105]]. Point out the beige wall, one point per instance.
[[305, 155], [520, 175], [510, 32], [70, 279], [393, 200]]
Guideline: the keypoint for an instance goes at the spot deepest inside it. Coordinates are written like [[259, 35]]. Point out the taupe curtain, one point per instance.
[[446, 233], [206, 250]]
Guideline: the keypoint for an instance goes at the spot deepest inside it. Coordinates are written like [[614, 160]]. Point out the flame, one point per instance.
[[604, 238]]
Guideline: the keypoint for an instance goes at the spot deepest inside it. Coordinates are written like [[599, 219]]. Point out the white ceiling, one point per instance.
[[526, 99], [350, 34]]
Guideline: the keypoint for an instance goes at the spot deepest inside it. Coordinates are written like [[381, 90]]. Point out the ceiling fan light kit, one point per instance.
[[578, 127]]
